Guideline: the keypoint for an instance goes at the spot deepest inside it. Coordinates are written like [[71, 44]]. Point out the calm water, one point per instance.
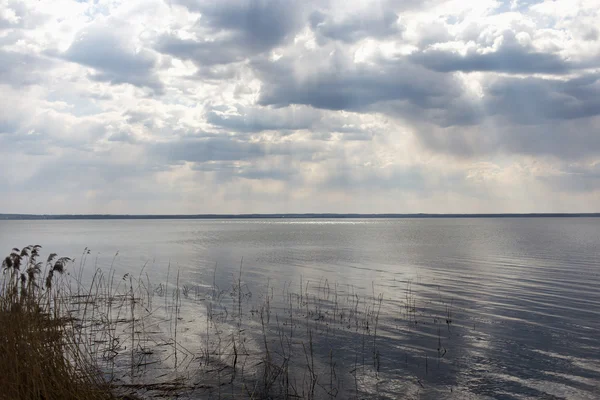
[[523, 293]]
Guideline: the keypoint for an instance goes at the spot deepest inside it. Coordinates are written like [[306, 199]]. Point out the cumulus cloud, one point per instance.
[[22, 69], [217, 148], [192, 106], [340, 84], [534, 100], [258, 119], [355, 27], [510, 57], [232, 31], [529, 116], [16, 14], [105, 48]]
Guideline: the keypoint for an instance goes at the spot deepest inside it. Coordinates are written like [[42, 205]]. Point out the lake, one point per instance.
[[503, 308]]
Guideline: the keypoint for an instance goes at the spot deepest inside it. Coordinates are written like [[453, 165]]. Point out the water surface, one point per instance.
[[522, 293]]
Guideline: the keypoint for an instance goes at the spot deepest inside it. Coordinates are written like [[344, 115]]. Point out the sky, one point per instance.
[[285, 106]]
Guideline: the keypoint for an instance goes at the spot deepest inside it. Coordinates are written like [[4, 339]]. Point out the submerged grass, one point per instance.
[[64, 339]]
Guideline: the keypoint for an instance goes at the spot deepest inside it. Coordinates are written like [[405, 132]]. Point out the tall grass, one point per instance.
[[39, 354], [70, 337]]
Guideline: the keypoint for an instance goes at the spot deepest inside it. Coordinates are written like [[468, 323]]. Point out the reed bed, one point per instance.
[[113, 335], [39, 355]]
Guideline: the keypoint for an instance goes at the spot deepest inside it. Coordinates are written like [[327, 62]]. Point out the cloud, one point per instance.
[[534, 100], [350, 178], [201, 52], [517, 5], [220, 148], [528, 116], [510, 57], [260, 25], [226, 171], [296, 106], [340, 84], [104, 48], [574, 177], [392, 86], [355, 27], [258, 119], [11, 15], [208, 149], [19, 69], [232, 31], [17, 15]]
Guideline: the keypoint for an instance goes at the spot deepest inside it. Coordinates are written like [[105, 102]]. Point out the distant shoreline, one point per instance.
[[285, 216]]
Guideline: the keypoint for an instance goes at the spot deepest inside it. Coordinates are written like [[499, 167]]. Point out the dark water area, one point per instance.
[[470, 308]]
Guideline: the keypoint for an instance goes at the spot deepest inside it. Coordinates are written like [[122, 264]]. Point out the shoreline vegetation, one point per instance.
[[39, 356], [70, 335], [289, 216]]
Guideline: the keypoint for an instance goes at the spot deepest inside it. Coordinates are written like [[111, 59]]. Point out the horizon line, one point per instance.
[[17, 216]]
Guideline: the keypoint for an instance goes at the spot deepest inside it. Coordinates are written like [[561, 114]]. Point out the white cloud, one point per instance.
[[303, 106]]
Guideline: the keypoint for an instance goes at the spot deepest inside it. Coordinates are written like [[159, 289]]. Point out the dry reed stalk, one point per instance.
[[41, 356]]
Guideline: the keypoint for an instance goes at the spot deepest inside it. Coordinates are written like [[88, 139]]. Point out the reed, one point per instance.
[[40, 356], [108, 336]]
